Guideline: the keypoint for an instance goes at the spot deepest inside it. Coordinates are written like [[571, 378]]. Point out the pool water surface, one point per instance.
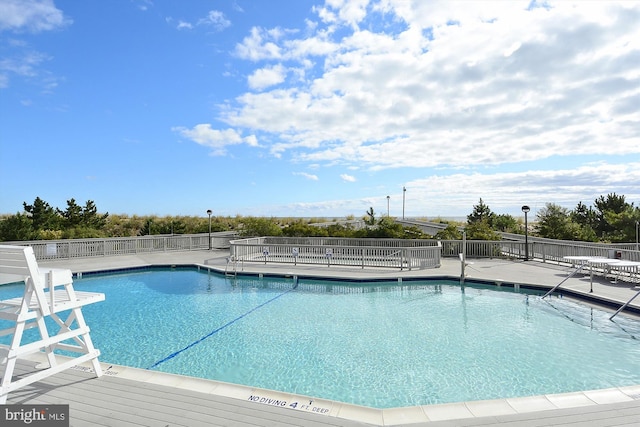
[[379, 344]]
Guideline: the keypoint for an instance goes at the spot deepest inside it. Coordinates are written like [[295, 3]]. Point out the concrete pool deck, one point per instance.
[[116, 398]]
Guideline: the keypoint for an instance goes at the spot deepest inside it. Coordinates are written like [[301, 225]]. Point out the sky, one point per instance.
[[312, 108]]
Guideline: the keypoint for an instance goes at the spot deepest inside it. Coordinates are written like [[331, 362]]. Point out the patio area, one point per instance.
[[126, 396]]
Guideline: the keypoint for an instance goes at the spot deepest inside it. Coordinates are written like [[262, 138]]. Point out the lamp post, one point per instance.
[[209, 212], [404, 193], [637, 248], [526, 210], [388, 197]]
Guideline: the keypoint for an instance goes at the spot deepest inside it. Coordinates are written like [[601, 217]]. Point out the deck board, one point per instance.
[[122, 402], [113, 401]]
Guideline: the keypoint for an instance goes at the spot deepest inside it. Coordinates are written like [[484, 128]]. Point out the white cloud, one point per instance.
[[454, 195], [506, 192], [348, 178], [251, 141], [348, 12], [237, 7], [183, 25], [504, 84], [31, 15], [27, 64], [307, 175], [19, 59], [260, 44], [144, 5], [216, 140], [216, 19], [265, 77], [454, 89]]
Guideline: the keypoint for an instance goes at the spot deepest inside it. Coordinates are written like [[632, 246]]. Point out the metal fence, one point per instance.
[[550, 251], [400, 253], [393, 253], [546, 248], [345, 241], [544, 251], [87, 248]]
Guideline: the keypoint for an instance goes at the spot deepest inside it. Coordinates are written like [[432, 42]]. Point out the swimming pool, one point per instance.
[[378, 344]]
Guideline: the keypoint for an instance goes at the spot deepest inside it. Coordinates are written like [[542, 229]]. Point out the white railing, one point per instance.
[[483, 249], [391, 253], [345, 241], [402, 253], [538, 250], [544, 248], [549, 251], [87, 248]]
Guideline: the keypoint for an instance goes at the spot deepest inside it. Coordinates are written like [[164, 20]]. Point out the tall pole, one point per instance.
[[526, 238], [463, 261], [404, 193], [637, 248], [526, 210], [388, 197], [209, 212]]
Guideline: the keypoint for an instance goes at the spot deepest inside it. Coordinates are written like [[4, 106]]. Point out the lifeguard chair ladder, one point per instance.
[[40, 300]]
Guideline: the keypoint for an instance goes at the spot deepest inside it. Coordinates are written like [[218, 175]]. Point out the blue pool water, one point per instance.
[[380, 344]]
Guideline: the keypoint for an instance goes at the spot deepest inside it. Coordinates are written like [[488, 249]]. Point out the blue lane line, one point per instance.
[[174, 354]]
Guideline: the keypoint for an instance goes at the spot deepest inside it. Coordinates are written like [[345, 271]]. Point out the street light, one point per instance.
[[637, 248], [388, 197], [404, 193], [526, 210], [209, 212]]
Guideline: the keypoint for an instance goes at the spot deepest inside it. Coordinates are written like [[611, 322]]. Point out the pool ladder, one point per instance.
[[624, 305], [564, 280], [231, 259]]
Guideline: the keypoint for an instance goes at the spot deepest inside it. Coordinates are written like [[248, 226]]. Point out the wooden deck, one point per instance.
[[121, 402], [114, 401]]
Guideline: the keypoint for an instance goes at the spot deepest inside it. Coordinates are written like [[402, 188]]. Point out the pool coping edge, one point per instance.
[[383, 417]]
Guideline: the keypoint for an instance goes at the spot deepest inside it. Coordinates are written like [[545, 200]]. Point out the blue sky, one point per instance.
[[318, 108]]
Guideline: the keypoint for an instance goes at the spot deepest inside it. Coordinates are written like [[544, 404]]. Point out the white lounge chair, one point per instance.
[[47, 293]]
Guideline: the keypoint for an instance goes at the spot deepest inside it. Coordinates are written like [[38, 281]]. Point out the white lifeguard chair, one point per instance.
[[47, 293]]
